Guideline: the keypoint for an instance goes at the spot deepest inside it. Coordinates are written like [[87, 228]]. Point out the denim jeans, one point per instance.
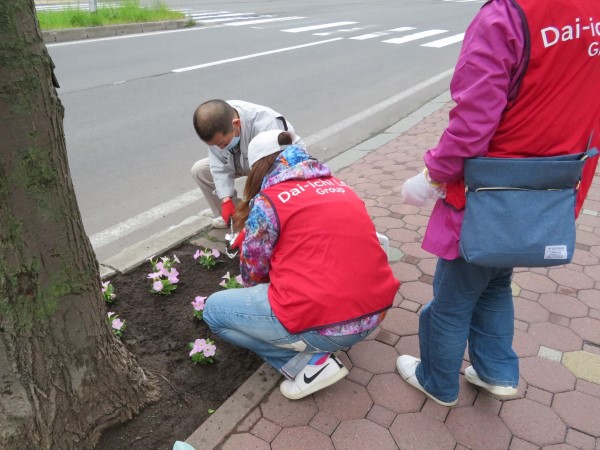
[[470, 304], [244, 318]]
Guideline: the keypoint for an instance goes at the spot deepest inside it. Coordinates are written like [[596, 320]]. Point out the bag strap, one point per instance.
[[590, 152]]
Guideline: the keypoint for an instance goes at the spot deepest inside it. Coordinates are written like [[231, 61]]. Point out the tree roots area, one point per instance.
[[158, 330]]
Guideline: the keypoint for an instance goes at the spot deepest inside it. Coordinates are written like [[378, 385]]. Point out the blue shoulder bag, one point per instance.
[[520, 212]]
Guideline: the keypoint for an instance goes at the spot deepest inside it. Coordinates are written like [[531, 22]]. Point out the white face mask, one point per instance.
[[234, 142]]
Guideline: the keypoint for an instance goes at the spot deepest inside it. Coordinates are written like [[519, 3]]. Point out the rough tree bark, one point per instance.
[[64, 377]]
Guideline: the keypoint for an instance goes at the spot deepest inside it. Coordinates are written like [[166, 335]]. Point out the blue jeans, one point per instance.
[[470, 304], [244, 318]]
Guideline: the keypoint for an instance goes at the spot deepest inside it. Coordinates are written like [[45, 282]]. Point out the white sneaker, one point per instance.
[[472, 377], [313, 378], [218, 222], [407, 366]]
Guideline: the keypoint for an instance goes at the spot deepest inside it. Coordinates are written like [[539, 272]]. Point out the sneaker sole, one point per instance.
[[317, 386], [501, 391], [420, 388]]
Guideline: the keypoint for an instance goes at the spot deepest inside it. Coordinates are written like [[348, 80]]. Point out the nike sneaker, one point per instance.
[[313, 378]]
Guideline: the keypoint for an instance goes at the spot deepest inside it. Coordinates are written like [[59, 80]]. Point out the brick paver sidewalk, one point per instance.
[[557, 321]]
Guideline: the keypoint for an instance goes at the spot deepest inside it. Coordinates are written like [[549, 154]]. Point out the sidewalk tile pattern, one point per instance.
[[557, 337]]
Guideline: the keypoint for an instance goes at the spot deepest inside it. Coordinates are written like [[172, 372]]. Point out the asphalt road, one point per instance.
[[325, 65]]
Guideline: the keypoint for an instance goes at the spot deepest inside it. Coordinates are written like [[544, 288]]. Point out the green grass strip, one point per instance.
[[128, 11]]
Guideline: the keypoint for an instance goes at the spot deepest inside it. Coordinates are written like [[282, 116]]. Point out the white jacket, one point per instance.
[[225, 165]]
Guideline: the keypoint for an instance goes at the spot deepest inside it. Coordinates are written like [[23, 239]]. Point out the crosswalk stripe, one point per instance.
[[207, 14], [256, 22], [317, 27], [227, 19], [445, 41], [363, 37], [402, 29], [414, 37]]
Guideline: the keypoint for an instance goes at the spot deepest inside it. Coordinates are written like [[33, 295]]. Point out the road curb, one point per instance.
[[77, 34]]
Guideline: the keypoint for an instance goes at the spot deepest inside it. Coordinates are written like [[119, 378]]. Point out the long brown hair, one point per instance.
[[254, 182]]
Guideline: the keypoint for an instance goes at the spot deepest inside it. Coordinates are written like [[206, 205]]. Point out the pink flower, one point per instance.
[[198, 304], [222, 283], [239, 279], [157, 286], [104, 286], [117, 324], [176, 259], [110, 314], [160, 266], [199, 345], [216, 253], [154, 275], [226, 276], [173, 279], [210, 350], [197, 254]]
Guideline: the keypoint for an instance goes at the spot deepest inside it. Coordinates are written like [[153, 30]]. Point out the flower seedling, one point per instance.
[[117, 325], [164, 276], [207, 258], [108, 292], [231, 282], [202, 351], [198, 305]]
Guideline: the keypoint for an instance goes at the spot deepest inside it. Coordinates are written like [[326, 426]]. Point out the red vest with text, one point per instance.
[[328, 266], [558, 103]]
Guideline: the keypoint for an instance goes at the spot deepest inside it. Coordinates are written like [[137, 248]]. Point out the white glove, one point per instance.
[[421, 191]]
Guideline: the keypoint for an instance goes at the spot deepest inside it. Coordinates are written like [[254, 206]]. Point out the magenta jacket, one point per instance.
[[485, 78]]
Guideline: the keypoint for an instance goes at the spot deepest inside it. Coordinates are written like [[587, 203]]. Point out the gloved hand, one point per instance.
[[420, 190], [227, 210], [239, 240]]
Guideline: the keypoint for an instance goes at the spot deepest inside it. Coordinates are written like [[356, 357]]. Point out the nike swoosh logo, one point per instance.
[[309, 380]]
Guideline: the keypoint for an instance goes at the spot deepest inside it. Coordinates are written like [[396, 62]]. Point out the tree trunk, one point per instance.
[[64, 377]]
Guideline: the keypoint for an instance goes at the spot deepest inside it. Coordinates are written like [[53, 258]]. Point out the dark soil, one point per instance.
[[158, 329]]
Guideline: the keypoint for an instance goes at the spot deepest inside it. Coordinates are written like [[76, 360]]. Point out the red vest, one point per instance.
[[327, 267], [558, 103]]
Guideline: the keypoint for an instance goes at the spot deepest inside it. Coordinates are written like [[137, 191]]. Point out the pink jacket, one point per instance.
[[484, 80]]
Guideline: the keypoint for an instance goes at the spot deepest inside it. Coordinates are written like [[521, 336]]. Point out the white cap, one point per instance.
[[264, 144]]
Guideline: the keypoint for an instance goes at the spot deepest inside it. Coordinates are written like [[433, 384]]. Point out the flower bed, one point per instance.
[[158, 329]]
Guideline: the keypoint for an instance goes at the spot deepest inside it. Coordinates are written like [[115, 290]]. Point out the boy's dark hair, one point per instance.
[[212, 117]]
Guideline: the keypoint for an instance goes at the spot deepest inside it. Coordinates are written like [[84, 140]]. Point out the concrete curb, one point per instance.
[[77, 34], [225, 419]]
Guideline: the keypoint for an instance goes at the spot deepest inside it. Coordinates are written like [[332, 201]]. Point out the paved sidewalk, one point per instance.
[[557, 322]]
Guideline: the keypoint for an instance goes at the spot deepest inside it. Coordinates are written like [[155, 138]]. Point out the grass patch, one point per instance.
[[128, 11]]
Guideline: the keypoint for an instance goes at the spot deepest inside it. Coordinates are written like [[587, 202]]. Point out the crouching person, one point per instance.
[[316, 278]]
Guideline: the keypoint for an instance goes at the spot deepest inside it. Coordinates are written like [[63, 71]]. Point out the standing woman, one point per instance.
[[316, 278]]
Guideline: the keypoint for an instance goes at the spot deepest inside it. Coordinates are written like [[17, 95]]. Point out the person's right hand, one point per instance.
[[419, 190], [239, 240], [227, 210]]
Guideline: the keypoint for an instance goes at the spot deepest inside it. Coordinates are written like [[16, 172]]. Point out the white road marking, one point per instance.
[[445, 41], [142, 220], [256, 22], [254, 55], [318, 27], [146, 218], [415, 36], [227, 19], [362, 37]]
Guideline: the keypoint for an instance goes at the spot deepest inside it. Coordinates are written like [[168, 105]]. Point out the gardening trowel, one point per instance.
[[230, 239]]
